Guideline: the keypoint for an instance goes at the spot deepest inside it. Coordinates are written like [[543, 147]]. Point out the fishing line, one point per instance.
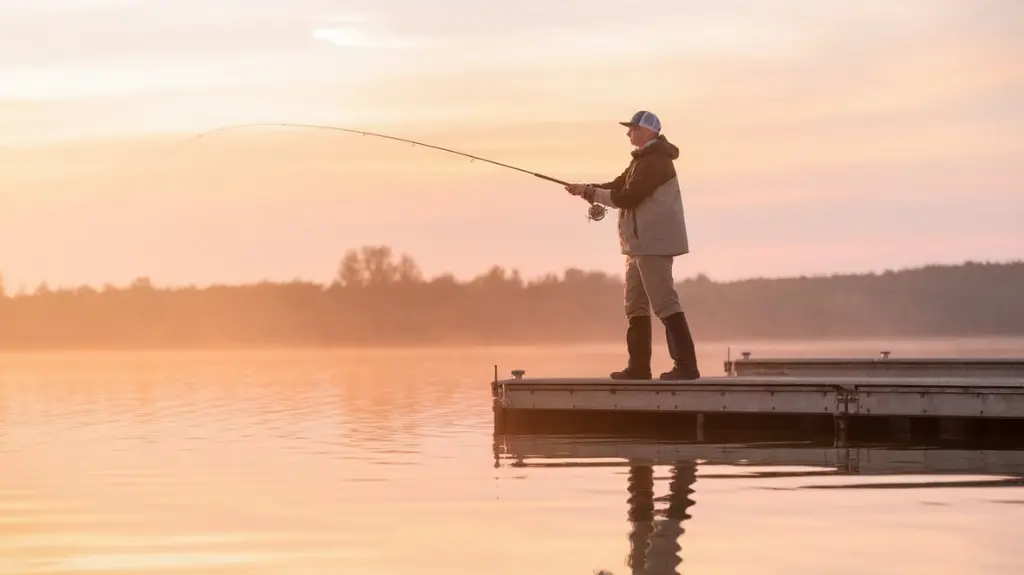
[[596, 212]]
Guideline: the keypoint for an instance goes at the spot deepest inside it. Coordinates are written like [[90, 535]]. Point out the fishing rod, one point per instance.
[[596, 212]]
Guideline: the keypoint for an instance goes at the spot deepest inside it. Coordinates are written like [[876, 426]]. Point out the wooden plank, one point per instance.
[[600, 396], [879, 367], [943, 401], [876, 396]]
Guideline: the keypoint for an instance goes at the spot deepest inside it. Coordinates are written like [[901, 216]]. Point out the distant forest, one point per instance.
[[379, 297]]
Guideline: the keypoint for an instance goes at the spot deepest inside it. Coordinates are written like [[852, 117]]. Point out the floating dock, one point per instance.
[[882, 366], [947, 397]]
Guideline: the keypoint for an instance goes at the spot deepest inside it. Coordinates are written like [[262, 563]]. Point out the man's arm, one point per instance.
[[650, 173], [615, 184]]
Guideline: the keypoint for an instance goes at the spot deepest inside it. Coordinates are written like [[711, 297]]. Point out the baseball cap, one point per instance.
[[645, 119]]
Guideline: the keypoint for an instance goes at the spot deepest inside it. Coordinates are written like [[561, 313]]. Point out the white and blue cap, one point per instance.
[[644, 119]]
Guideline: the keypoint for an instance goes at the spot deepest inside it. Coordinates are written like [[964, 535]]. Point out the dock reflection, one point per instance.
[[657, 524]]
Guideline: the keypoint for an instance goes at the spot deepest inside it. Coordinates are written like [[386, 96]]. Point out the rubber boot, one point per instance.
[[638, 344], [680, 349]]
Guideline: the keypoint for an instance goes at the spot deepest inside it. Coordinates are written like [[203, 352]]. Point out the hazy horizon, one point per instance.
[[381, 299], [816, 137], [330, 278]]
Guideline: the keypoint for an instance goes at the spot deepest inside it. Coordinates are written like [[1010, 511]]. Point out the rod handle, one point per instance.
[[550, 179]]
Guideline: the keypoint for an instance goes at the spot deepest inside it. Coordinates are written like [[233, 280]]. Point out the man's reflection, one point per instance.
[[654, 544]]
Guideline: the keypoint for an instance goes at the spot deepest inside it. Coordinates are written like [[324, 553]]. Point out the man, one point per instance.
[[652, 231]]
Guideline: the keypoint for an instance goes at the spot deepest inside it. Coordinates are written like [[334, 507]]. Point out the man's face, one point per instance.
[[639, 136]]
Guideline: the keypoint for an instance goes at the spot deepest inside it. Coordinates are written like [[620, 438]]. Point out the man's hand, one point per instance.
[[576, 189]]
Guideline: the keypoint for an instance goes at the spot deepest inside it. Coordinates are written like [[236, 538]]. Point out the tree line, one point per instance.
[[379, 297]]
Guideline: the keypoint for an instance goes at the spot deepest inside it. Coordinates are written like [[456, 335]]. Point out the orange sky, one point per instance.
[[815, 137]]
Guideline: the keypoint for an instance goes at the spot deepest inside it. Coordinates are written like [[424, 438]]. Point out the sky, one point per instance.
[[816, 136]]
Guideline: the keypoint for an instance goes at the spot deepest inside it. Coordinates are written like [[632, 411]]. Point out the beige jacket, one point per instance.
[[647, 194]]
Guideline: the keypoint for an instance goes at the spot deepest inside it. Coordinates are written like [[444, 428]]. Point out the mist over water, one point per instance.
[[384, 461]]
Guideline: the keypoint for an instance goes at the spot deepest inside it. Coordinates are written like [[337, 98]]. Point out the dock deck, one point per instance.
[[834, 395], [841, 390], [882, 366]]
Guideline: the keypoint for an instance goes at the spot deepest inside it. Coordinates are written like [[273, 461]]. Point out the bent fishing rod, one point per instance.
[[596, 212]]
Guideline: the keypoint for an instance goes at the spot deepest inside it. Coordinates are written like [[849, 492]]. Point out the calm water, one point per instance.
[[384, 463]]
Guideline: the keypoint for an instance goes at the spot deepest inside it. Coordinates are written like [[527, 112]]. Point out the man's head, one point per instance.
[[643, 127]]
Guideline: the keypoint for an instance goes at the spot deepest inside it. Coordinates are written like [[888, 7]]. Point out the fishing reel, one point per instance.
[[596, 212]]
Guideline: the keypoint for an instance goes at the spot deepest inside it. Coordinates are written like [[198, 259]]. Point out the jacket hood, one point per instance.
[[660, 145]]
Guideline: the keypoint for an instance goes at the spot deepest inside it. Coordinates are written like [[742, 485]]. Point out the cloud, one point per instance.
[[363, 31], [353, 37]]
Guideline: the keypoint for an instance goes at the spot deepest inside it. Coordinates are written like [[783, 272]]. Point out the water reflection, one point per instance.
[[657, 524], [654, 543]]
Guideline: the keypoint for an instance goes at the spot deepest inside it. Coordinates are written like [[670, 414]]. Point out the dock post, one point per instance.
[[700, 427], [841, 421], [496, 408], [499, 417], [839, 428]]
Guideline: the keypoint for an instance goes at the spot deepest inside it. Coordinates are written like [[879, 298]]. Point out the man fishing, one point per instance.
[[652, 231]]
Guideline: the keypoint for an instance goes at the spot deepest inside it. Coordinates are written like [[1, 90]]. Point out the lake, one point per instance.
[[383, 462]]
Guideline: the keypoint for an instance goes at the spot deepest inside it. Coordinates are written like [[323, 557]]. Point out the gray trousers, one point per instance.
[[650, 287]]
